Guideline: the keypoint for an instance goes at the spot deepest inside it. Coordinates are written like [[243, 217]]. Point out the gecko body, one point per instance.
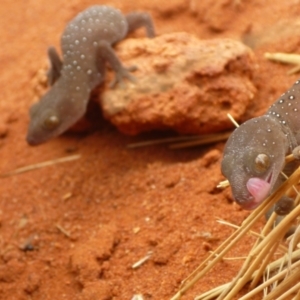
[[86, 45], [254, 154]]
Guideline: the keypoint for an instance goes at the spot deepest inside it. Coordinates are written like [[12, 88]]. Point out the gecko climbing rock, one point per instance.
[[254, 155], [86, 45]]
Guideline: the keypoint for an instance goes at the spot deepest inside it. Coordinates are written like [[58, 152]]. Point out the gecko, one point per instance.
[[86, 45], [254, 154]]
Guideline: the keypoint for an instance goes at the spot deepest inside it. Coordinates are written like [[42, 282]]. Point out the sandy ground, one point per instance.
[[74, 230]]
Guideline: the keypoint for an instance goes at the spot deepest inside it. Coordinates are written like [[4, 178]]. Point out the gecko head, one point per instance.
[[254, 156], [52, 115], [44, 124]]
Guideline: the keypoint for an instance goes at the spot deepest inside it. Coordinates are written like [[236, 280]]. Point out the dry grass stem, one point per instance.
[[235, 123], [285, 286], [184, 141], [162, 141], [141, 261], [202, 140], [212, 293], [297, 296], [41, 165], [264, 264], [264, 247], [223, 184], [294, 70], [287, 58], [187, 141], [259, 253], [278, 276], [62, 230]]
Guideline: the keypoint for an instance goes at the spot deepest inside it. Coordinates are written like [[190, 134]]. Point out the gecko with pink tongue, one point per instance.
[[254, 154]]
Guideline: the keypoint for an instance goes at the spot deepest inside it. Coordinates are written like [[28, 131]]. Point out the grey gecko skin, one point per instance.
[[254, 155], [86, 46]]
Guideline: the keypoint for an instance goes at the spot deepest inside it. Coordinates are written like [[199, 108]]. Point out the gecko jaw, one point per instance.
[[259, 189]]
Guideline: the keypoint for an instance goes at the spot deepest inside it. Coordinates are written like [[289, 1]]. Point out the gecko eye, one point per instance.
[[51, 122], [262, 163]]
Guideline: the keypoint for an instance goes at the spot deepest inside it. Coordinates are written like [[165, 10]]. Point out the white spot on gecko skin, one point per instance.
[[89, 72], [269, 130], [283, 122], [295, 109], [78, 68], [84, 39], [297, 82], [289, 104], [76, 42], [280, 101], [89, 30], [291, 97], [95, 44], [77, 88], [82, 56], [74, 62], [278, 115]]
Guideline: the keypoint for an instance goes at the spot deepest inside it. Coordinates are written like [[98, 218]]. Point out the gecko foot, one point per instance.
[[284, 206], [296, 152], [121, 74]]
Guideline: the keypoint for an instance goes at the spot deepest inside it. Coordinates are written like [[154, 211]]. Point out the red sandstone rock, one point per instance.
[[183, 83]]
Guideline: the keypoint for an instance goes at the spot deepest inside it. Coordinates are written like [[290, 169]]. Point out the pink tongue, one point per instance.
[[259, 189]]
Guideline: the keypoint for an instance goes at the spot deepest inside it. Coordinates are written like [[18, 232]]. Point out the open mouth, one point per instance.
[[259, 190]]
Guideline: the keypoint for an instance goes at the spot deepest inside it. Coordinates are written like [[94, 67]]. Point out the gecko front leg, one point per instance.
[[55, 66], [107, 54], [137, 20]]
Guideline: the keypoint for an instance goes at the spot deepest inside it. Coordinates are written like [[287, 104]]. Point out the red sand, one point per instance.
[[88, 221]]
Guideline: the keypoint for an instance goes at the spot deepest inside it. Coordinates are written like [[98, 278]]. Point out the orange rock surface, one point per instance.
[[182, 83]]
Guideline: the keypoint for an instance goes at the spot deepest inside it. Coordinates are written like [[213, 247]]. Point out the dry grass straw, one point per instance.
[[286, 58], [181, 142], [41, 165], [259, 258]]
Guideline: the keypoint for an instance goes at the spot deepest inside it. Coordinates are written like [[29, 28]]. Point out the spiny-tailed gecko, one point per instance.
[[86, 46], [254, 155]]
